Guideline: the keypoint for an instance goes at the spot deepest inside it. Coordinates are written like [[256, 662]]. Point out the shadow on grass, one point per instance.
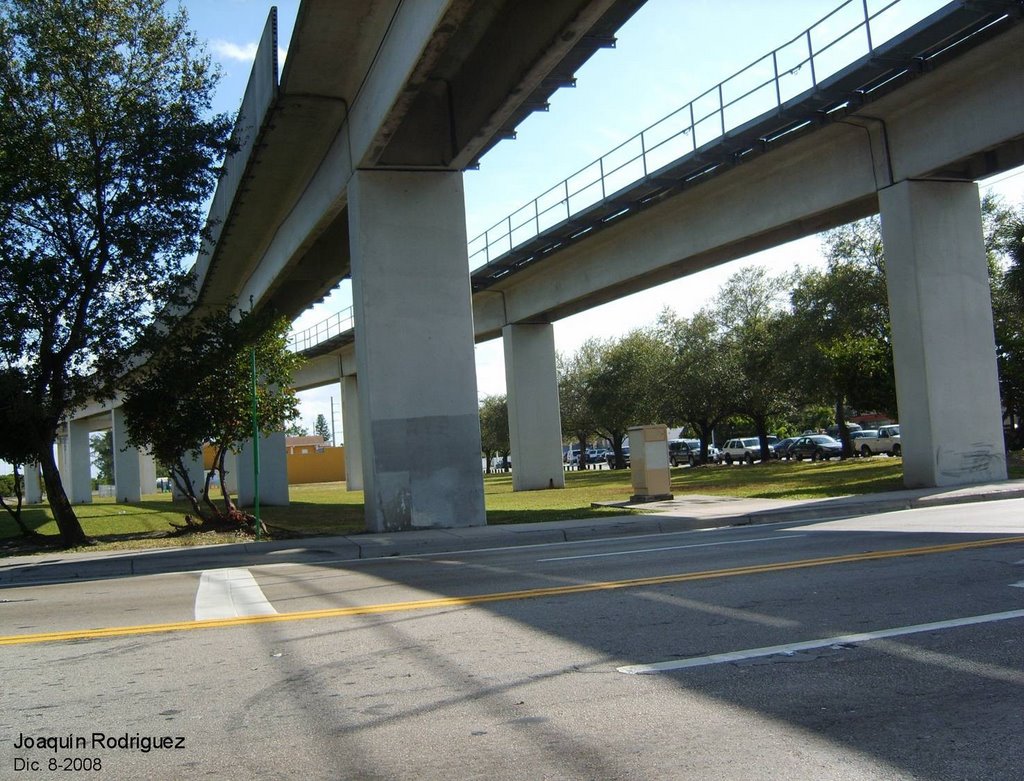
[[789, 480], [499, 517]]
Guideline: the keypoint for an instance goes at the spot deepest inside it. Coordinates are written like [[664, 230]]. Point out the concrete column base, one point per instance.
[[197, 476], [33, 493], [534, 419], [940, 305], [420, 423], [353, 438], [79, 463], [147, 473], [273, 472], [127, 475]]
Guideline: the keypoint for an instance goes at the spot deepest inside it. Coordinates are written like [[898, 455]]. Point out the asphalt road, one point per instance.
[[888, 647]]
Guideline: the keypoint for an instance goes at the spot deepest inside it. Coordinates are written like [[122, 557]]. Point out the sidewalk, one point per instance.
[[680, 514]]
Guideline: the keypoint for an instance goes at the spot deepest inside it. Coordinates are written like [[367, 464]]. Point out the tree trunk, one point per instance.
[[844, 432], [15, 512], [229, 506], [183, 481], [620, 459], [761, 427], [705, 429], [582, 464], [71, 532]]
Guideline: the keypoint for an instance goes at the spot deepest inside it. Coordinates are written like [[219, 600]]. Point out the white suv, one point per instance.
[[747, 449]]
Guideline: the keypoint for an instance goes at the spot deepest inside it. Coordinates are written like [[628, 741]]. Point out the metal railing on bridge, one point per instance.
[[334, 327], [851, 31]]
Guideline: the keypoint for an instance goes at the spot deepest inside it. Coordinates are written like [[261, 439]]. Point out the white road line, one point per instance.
[[227, 593], [673, 547], [753, 653]]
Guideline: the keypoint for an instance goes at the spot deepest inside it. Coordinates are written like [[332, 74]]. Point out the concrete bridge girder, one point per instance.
[[960, 122]]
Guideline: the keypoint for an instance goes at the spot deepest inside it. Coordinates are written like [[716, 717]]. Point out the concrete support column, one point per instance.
[[62, 457], [147, 473], [79, 463], [197, 476], [127, 476], [232, 466], [420, 423], [534, 419], [353, 439], [273, 472], [33, 493], [940, 306]]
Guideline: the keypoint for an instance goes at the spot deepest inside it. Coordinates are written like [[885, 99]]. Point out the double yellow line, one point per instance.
[[502, 596]]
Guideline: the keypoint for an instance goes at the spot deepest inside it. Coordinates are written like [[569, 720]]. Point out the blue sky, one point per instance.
[[667, 54]]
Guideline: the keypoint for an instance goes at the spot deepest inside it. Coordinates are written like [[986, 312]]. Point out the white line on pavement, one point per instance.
[[227, 593], [673, 547], [753, 653]]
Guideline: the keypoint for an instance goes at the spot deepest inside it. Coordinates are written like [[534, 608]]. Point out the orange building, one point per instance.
[[310, 460]]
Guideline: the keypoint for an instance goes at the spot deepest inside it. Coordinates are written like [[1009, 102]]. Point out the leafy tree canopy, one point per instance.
[[107, 153], [494, 434], [198, 389]]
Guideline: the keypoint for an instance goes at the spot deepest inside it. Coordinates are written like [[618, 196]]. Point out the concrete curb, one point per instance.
[[682, 514]]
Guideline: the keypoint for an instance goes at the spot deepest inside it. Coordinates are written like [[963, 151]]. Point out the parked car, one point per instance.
[[713, 454], [501, 463], [887, 441], [858, 440], [817, 447], [610, 457], [680, 452], [747, 449], [864, 433], [781, 447]]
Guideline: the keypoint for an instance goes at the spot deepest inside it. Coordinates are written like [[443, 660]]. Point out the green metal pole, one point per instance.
[[255, 449]]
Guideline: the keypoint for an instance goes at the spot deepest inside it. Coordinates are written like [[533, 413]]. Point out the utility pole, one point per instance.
[[334, 442]]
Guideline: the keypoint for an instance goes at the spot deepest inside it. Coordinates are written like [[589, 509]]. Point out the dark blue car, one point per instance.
[[817, 447]]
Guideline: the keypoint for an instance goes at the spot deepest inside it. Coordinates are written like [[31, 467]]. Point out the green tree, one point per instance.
[[842, 346], [494, 435], [574, 376], [751, 307], [697, 386], [623, 386], [197, 389], [15, 404], [321, 429], [102, 446], [296, 430], [1004, 234], [107, 153]]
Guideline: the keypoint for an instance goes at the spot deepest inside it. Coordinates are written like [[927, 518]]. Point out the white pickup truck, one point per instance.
[[887, 441]]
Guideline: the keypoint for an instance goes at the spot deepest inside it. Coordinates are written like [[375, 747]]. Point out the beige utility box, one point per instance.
[[648, 453]]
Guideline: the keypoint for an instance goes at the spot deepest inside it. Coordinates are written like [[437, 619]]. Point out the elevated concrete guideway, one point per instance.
[[940, 105], [429, 85], [832, 150], [350, 165]]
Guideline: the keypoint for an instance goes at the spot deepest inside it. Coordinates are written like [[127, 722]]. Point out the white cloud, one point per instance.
[[226, 50], [233, 51]]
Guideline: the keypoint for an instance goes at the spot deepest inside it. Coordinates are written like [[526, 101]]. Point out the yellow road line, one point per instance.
[[443, 602]]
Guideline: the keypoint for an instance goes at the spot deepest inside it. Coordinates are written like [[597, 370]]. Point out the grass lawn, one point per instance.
[[327, 508]]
